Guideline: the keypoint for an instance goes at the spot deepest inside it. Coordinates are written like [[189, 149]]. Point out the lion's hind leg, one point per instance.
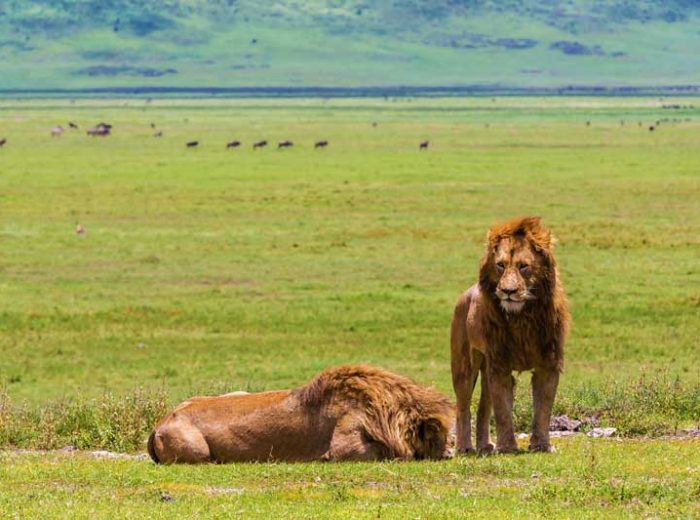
[[179, 440], [483, 415], [463, 374]]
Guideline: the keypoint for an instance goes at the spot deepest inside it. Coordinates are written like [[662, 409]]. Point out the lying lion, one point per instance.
[[352, 412]]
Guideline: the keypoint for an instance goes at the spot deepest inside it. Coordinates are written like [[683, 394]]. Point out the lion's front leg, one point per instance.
[[544, 389], [483, 416], [501, 386]]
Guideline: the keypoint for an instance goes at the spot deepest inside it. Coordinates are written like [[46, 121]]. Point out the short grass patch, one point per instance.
[[587, 477]]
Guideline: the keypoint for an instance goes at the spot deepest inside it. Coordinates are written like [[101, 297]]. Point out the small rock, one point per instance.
[[559, 435], [591, 421], [104, 454], [523, 436], [166, 497], [602, 432], [68, 449], [562, 423]]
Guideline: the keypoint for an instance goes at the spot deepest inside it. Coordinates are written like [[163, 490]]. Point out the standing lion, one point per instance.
[[353, 412], [515, 318]]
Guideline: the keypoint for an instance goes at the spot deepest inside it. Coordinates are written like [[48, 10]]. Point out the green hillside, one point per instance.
[[230, 43]]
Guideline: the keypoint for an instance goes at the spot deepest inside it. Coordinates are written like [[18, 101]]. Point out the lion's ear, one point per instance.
[[493, 236], [543, 241], [539, 235], [490, 239], [532, 224]]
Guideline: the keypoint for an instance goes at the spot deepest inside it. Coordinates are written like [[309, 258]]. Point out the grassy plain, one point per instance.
[[586, 479], [209, 270]]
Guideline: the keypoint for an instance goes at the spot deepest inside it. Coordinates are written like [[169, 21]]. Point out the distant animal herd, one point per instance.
[[103, 129]]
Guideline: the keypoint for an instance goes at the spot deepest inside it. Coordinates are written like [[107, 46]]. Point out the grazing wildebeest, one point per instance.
[[159, 133], [103, 125], [652, 128], [98, 131], [284, 144], [424, 145], [374, 124], [259, 144], [72, 125], [233, 144], [153, 125], [2, 142], [56, 131], [321, 144], [192, 144], [588, 123]]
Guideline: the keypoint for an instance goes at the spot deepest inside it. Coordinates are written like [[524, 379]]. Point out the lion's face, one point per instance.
[[514, 272], [518, 269]]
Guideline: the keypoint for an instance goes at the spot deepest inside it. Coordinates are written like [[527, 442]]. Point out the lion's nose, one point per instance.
[[508, 291]]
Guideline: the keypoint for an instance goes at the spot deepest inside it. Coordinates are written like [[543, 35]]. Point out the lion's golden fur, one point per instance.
[[352, 412], [515, 318]]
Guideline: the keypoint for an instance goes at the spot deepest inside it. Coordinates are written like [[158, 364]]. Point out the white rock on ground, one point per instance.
[[602, 432]]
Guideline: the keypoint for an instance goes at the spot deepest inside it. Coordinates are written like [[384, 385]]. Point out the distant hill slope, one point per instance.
[[530, 43]]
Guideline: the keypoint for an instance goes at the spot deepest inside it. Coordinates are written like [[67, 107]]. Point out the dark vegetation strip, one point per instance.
[[369, 91]]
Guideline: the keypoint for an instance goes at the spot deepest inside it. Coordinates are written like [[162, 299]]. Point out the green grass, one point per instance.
[[586, 479], [208, 271]]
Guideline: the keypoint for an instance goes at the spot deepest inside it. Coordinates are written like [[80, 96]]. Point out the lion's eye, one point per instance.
[[501, 266], [523, 268]]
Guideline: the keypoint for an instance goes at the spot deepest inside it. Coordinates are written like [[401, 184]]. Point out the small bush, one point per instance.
[[645, 406], [653, 406], [118, 423]]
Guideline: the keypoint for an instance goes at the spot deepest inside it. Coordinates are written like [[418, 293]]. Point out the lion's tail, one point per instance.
[[151, 447]]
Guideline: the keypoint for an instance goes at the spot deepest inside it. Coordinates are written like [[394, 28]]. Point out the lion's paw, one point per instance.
[[542, 448], [512, 450], [487, 449], [465, 451]]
